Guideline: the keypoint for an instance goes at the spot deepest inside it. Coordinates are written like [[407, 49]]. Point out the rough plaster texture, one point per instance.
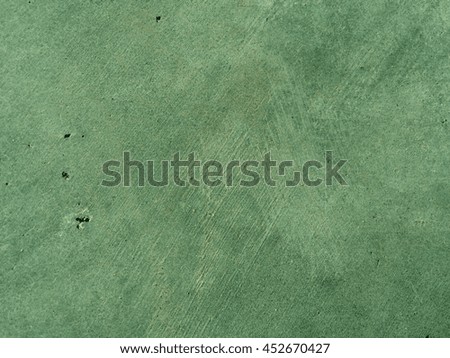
[[230, 79]]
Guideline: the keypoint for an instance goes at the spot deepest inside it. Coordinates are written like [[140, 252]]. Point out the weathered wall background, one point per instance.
[[231, 79]]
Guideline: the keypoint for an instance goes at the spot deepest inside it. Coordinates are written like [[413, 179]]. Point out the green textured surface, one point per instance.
[[227, 79]]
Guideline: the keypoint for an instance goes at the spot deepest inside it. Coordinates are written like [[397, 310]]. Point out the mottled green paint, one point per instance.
[[227, 79]]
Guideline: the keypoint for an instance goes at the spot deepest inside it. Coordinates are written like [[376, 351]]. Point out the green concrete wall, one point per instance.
[[229, 79]]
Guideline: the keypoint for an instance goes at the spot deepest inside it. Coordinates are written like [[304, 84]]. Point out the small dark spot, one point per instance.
[[67, 135], [29, 145], [158, 18], [78, 203], [82, 136], [65, 175], [267, 19], [81, 220], [427, 336], [6, 184]]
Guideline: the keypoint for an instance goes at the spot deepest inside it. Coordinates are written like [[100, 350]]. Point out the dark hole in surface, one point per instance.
[[67, 135], [65, 175], [81, 220], [158, 18]]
